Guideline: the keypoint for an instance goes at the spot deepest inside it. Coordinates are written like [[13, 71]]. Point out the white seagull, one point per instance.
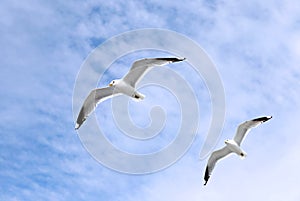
[[233, 146], [126, 86]]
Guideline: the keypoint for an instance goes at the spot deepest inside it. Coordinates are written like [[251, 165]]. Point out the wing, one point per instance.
[[95, 97], [140, 67], [245, 127], [213, 159]]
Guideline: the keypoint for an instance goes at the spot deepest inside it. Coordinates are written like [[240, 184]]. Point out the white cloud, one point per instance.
[[255, 47]]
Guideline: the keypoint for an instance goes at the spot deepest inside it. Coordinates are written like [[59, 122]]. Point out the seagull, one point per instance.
[[233, 146], [126, 86]]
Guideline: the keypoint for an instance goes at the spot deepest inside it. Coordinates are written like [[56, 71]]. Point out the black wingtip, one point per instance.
[[206, 176], [80, 119], [263, 119], [79, 123], [172, 59], [77, 126]]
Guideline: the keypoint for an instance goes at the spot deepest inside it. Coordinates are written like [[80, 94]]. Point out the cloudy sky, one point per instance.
[[255, 47]]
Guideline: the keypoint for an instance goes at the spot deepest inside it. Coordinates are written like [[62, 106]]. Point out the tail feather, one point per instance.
[[243, 155], [138, 96]]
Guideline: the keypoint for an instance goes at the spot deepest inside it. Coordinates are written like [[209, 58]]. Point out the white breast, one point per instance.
[[124, 88], [234, 147]]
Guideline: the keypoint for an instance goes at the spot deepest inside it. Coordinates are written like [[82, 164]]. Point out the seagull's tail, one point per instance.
[[243, 155], [138, 96]]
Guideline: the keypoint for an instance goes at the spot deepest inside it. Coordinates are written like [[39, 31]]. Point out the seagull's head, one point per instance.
[[227, 141], [113, 83]]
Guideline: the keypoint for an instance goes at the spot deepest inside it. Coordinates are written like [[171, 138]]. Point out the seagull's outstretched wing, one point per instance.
[[245, 127], [95, 97], [213, 159], [142, 66]]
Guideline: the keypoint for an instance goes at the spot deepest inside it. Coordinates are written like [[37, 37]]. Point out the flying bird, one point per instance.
[[233, 146], [126, 86]]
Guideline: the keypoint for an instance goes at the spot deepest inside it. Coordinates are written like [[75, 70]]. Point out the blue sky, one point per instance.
[[255, 46]]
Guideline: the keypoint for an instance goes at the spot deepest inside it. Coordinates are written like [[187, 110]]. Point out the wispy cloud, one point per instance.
[[255, 46]]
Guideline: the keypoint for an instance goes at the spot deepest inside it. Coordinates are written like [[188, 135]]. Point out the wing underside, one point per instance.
[[95, 97], [245, 127], [140, 67], [213, 159]]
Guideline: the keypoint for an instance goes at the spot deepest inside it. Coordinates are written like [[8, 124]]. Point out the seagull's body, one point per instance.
[[233, 146], [125, 86]]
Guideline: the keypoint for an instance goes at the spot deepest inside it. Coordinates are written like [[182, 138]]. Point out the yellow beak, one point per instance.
[[110, 85]]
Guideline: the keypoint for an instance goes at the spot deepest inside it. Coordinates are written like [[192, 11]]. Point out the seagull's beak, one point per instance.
[[110, 85]]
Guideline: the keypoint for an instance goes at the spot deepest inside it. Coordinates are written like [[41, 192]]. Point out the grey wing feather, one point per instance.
[[140, 67], [95, 97], [213, 159], [245, 127]]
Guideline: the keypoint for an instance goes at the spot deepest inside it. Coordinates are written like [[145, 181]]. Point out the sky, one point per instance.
[[255, 47]]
